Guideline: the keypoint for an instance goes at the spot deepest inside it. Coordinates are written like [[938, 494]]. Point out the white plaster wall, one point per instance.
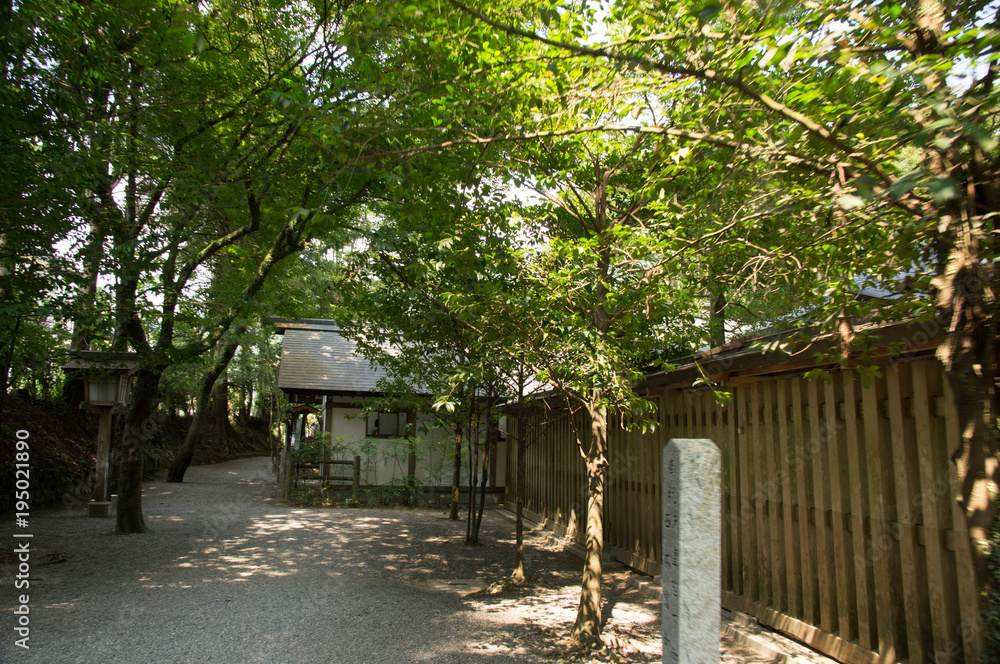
[[383, 460]]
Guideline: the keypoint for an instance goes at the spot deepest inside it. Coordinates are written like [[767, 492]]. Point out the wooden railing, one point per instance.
[[839, 527], [291, 472]]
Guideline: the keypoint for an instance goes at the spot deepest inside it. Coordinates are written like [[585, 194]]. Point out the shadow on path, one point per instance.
[[229, 575]]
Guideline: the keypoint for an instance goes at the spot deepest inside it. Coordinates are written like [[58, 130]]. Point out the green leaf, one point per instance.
[[903, 185], [709, 11], [986, 140], [943, 189]]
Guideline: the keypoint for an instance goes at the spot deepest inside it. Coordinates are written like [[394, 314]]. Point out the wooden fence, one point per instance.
[[838, 524]]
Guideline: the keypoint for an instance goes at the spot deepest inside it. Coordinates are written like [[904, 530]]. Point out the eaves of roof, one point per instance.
[[317, 324], [746, 358]]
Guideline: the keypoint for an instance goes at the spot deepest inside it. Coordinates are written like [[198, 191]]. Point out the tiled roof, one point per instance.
[[318, 359]]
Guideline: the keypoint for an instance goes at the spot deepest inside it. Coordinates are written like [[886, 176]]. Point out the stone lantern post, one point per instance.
[[107, 379]]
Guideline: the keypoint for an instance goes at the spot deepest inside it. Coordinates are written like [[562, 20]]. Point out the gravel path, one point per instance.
[[228, 574]]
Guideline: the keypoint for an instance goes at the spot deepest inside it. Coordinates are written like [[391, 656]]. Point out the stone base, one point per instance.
[[99, 509]]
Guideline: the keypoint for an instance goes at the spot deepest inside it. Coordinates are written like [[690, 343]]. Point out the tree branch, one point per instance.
[[709, 75], [823, 168]]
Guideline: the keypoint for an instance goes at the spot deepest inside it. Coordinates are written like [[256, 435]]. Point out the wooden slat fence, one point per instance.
[[838, 524]]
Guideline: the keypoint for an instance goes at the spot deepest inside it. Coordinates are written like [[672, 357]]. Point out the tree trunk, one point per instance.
[[8, 358], [518, 575], [471, 531], [587, 627], [248, 412], [139, 427], [717, 319], [470, 534], [220, 408], [92, 255], [456, 476], [184, 456], [968, 287], [487, 456], [7, 352], [243, 410], [969, 362], [186, 453], [411, 457]]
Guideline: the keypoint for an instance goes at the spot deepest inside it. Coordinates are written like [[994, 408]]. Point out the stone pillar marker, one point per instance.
[[692, 556]]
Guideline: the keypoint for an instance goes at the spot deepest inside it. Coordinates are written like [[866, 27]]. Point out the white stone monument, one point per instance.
[[692, 557]]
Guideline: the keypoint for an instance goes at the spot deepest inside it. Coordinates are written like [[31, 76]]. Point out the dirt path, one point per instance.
[[227, 574]]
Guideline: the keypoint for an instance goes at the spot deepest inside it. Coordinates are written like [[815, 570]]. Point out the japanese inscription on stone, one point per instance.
[[691, 551]]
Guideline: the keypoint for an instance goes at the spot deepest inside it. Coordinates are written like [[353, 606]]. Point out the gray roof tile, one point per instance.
[[321, 360]]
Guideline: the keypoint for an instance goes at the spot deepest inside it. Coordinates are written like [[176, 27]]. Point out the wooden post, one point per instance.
[[860, 512], [356, 484], [324, 467], [411, 461], [411, 433], [100, 505]]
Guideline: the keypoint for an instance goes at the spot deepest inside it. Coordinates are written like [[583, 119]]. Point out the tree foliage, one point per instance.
[[803, 153], [695, 161]]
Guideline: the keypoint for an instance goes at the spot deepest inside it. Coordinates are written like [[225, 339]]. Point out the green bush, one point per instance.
[[381, 495], [400, 490], [410, 489], [311, 449], [308, 496]]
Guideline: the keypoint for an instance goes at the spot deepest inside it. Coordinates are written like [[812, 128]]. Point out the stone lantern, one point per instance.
[[107, 379]]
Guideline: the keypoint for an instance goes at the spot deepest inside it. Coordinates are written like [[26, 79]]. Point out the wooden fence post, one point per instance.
[[356, 484]]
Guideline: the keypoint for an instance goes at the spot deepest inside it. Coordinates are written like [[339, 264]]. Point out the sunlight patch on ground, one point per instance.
[[543, 608], [282, 526], [463, 649], [634, 615], [235, 560], [460, 587]]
